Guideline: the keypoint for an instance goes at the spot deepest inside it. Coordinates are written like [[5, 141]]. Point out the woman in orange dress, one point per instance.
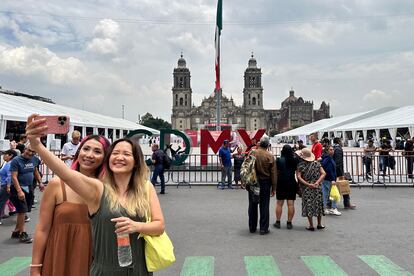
[[63, 240]]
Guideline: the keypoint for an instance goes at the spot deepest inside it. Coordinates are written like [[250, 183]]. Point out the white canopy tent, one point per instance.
[[18, 108], [327, 125], [402, 117]]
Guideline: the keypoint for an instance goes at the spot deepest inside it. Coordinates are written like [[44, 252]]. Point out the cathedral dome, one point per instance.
[[290, 99], [181, 62], [252, 62]]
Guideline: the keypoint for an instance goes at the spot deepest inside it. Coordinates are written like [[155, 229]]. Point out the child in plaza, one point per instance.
[[63, 240], [117, 205]]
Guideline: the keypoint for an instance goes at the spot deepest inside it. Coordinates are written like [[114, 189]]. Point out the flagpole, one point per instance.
[[218, 100], [218, 91]]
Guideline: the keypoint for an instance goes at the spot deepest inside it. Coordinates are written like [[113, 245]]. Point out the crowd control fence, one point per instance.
[[381, 171]]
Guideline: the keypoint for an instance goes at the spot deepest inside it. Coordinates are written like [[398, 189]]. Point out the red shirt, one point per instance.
[[317, 150]]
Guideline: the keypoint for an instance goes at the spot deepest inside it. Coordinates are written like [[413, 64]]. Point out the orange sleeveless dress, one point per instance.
[[69, 245]]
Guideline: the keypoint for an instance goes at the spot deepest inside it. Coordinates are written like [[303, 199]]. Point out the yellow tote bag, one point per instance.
[[159, 250], [334, 194]]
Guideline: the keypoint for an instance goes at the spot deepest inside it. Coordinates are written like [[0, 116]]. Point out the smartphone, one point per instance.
[[56, 124]]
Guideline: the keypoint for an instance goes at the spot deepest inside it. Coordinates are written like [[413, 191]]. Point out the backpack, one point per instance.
[[248, 170], [249, 177], [166, 161]]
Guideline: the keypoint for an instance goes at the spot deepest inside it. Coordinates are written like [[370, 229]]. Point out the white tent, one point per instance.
[[402, 117], [18, 108], [327, 125]]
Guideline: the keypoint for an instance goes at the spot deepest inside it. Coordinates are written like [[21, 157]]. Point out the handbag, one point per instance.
[[334, 194], [343, 186], [159, 250]]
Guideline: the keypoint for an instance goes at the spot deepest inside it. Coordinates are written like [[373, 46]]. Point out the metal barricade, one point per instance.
[[385, 170], [192, 172]]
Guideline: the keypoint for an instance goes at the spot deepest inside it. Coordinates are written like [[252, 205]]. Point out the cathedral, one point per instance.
[[294, 112]]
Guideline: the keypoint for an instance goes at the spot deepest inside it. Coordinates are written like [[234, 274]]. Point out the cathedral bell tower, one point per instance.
[[253, 90], [253, 96], [182, 93]]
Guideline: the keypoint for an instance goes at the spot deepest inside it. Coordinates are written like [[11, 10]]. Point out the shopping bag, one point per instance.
[[334, 194], [159, 252], [343, 186]]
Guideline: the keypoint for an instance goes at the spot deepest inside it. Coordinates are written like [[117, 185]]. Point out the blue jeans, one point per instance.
[[158, 171], [226, 171], [326, 190]]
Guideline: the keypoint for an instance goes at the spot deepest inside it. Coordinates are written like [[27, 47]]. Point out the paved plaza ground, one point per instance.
[[211, 237]]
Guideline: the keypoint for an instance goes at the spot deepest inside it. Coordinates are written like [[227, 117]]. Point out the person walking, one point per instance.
[[225, 163], [5, 180], [287, 185], [329, 166], [409, 157], [70, 148], [338, 157], [265, 167], [118, 204], [158, 162], [310, 175], [63, 239], [238, 161], [23, 170]]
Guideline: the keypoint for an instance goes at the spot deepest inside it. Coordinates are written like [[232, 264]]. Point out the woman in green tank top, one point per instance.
[[117, 205]]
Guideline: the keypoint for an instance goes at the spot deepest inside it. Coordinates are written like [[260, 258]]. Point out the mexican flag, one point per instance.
[[219, 26]]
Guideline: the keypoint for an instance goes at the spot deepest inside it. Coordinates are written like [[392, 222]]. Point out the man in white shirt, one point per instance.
[[69, 149]]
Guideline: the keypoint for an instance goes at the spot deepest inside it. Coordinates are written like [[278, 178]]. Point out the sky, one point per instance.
[[101, 55]]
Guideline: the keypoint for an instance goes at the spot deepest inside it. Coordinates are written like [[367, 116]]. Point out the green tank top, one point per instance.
[[105, 248]]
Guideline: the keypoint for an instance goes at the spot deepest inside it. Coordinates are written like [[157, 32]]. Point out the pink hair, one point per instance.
[[100, 171]]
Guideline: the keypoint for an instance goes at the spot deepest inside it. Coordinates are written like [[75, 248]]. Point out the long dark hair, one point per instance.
[[288, 154], [100, 171]]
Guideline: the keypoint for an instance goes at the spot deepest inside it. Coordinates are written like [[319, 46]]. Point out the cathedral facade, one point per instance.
[[251, 115]]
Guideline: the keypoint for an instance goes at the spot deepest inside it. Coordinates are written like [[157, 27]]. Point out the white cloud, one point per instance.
[[189, 41], [108, 62], [41, 62], [107, 35], [375, 95], [323, 33], [378, 95]]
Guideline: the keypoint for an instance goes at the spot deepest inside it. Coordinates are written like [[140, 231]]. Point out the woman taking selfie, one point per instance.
[[117, 205], [63, 240]]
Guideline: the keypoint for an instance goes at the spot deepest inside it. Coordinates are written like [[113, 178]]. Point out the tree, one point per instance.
[[156, 123], [273, 132]]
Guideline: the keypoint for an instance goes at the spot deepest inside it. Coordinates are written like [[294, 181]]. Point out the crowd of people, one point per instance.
[[307, 172], [104, 191], [387, 161]]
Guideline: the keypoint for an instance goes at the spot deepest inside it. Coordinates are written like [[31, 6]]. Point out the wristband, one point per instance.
[[36, 265]]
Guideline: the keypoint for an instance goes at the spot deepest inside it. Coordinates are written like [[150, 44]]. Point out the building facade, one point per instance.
[[251, 115]]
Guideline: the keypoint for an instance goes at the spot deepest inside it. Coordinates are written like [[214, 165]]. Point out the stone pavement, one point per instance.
[[210, 234]]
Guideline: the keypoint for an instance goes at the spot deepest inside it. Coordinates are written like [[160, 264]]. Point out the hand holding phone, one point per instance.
[[56, 124]]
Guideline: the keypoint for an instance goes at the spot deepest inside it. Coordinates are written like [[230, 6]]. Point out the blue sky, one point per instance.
[[99, 55]]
